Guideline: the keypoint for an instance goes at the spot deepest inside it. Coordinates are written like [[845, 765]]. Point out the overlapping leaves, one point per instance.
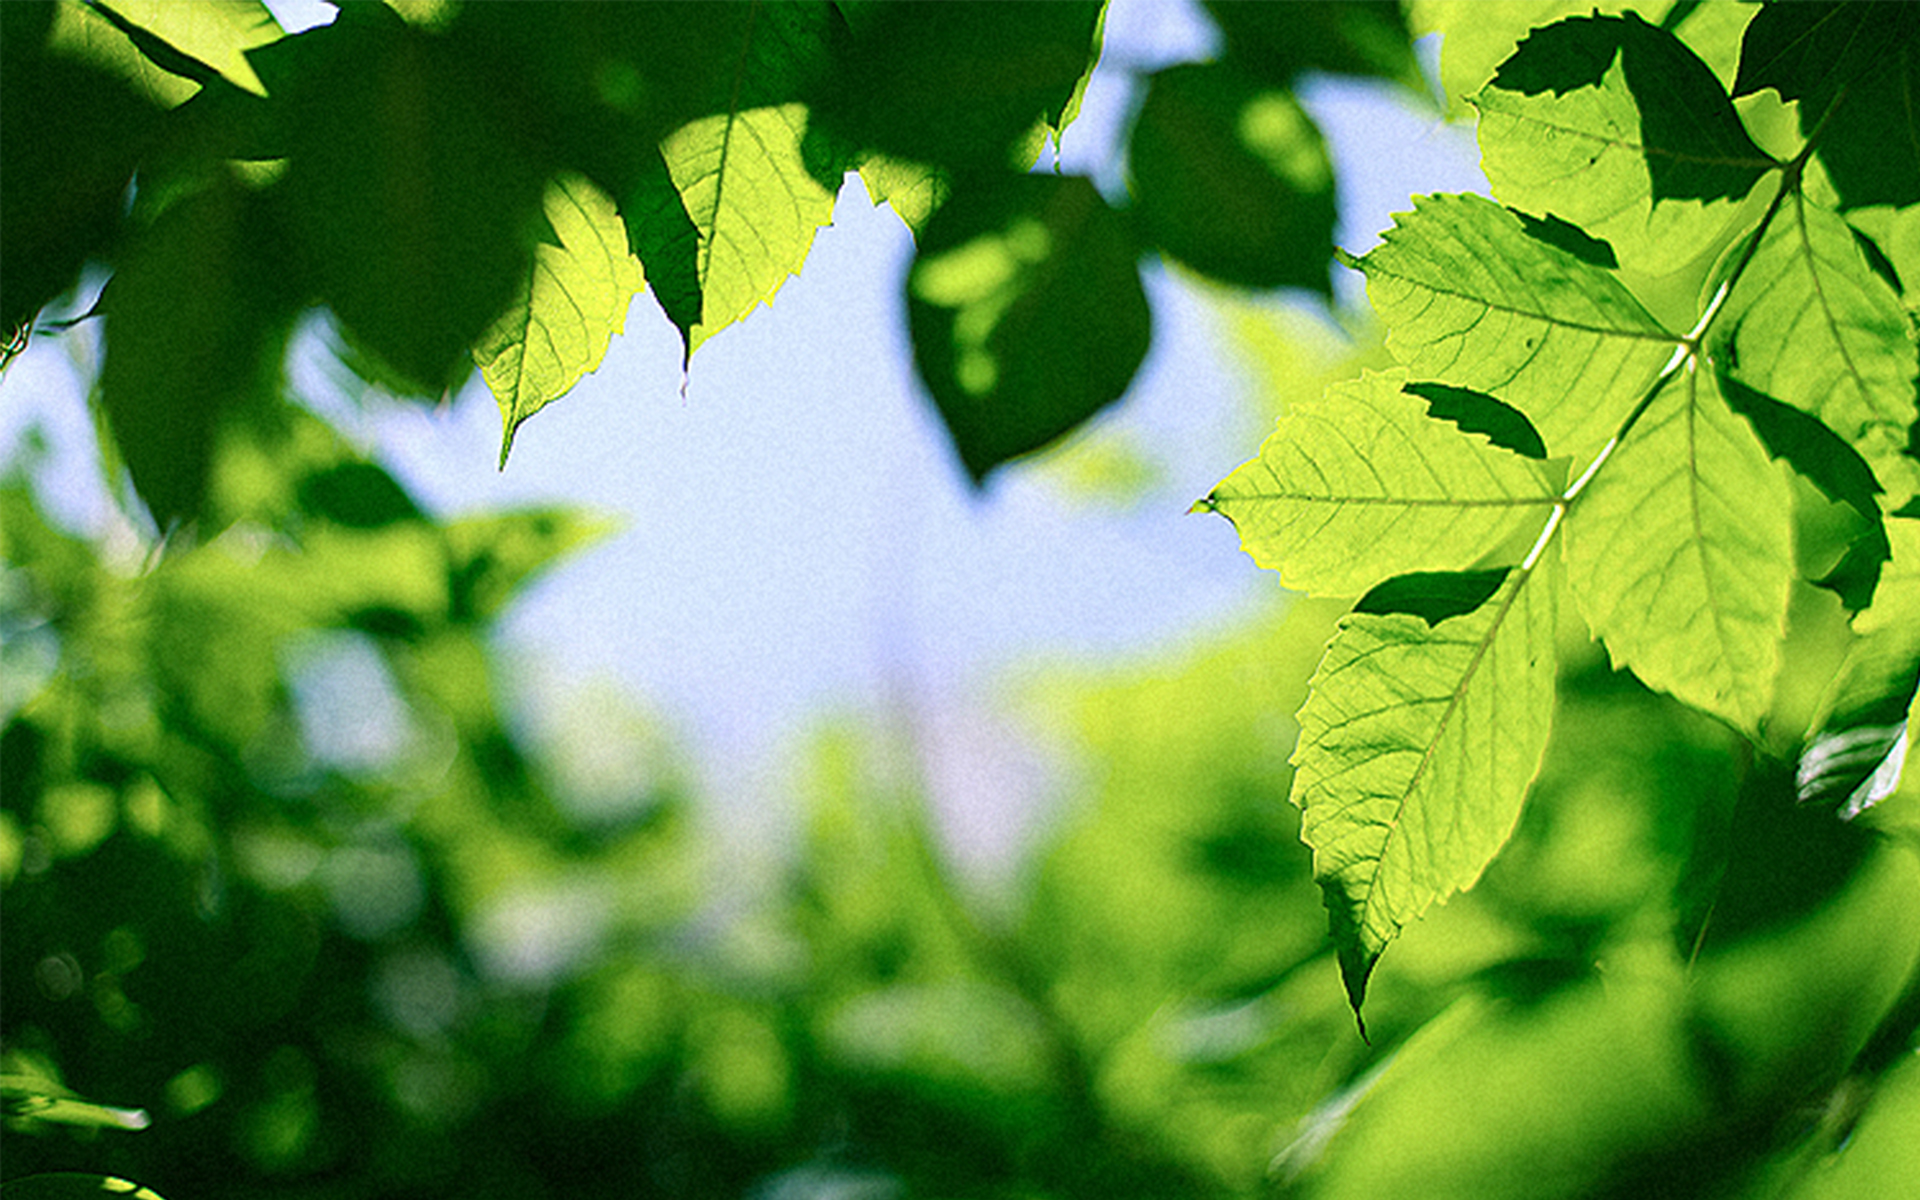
[[1618, 148]]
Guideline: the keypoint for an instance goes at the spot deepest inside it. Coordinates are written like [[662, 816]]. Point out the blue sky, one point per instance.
[[796, 535]]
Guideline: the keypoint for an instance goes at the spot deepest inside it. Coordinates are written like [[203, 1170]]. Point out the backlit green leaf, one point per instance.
[[1680, 554], [1364, 484], [217, 33], [1470, 299], [1417, 745], [1616, 126], [1810, 324], [1027, 313], [1855, 751], [748, 193], [574, 302], [1231, 177]]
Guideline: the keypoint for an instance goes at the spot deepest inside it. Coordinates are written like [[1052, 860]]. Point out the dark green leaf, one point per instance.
[[1232, 178], [961, 84], [73, 136], [1351, 37], [415, 203], [357, 494], [1027, 313], [1855, 70], [73, 1186], [667, 243], [195, 331], [1476, 412], [1433, 596]]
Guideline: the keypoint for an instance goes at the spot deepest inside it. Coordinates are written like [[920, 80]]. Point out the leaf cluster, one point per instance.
[[488, 186], [1562, 437]]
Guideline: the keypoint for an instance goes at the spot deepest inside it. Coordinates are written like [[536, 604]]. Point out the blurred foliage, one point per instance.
[[284, 885]]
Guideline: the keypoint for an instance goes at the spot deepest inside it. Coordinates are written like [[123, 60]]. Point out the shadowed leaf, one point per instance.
[[1231, 177], [1027, 314]]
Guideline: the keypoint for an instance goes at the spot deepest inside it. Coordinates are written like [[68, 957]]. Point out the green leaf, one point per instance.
[[1855, 70], [1231, 177], [666, 241], [1351, 37], [748, 193], [1810, 324], [63, 1185], [1364, 484], [1606, 122], [1418, 743], [210, 35], [1680, 554], [195, 331], [492, 556], [575, 300], [1027, 313], [1471, 299], [913, 190], [415, 203], [73, 135], [960, 84]]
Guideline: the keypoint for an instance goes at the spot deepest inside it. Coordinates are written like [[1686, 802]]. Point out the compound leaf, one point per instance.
[[574, 301], [1811, 324], [1418, 742], [1470, 298], [1680, 554], [1618, 127], [1364, 484]]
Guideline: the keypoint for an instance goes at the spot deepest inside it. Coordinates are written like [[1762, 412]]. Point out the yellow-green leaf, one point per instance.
[[1418, 743], [748, 192], [1364, 484], [574, 301], [1471, 298], [1680, 554]]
